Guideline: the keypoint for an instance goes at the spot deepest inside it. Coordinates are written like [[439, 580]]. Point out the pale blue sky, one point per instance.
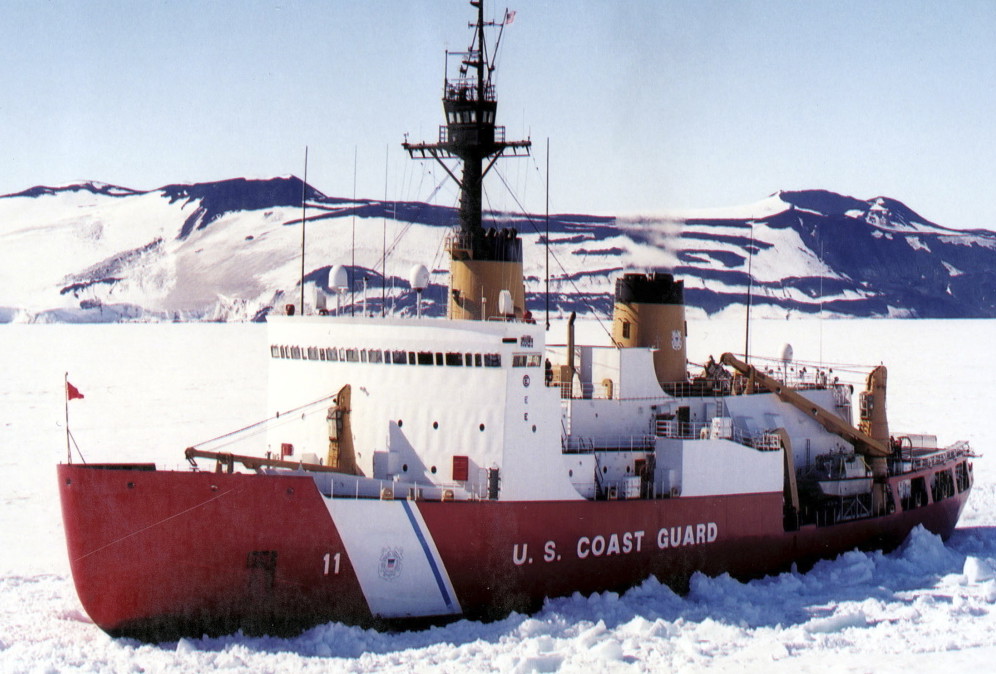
[[649, 105]]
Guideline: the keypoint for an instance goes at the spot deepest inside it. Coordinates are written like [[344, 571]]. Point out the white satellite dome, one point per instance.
[[419, 277], [339, 278]]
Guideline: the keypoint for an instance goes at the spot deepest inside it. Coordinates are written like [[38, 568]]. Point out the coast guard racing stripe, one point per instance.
[[396, 562]]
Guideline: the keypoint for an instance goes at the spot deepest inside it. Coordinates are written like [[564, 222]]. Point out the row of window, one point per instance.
[[469, 117], [389, 357]]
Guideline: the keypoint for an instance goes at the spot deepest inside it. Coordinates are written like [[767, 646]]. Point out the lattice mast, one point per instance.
[[482, 262]]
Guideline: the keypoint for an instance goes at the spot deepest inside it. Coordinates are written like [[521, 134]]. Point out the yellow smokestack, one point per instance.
[[650, 312]]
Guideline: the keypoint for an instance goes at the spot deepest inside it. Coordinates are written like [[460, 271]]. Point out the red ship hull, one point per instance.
[[161, 554]]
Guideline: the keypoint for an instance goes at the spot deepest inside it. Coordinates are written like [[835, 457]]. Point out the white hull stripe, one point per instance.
[[396, 562]]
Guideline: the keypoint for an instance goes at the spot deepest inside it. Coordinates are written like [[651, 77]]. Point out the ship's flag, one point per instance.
[[509, 17], [72, 392]]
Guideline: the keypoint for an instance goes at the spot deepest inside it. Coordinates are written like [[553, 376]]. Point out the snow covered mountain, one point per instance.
[[230, 250]]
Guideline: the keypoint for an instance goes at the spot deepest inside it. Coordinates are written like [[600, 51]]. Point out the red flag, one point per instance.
[[73, 392], [509, 17]]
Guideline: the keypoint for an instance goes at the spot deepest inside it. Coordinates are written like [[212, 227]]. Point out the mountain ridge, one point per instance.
[[230, 250]]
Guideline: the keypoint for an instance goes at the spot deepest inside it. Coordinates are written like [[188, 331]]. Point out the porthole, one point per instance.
[[404, 468], [570, 473], [433, 470], [400, 423], [435, 425], [534, 428], [481, 427], [605, 469]]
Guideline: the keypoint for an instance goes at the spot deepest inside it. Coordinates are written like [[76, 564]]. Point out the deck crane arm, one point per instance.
[[863, 443]]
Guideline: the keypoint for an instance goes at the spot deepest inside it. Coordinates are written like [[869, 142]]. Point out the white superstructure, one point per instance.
[[462, 409]]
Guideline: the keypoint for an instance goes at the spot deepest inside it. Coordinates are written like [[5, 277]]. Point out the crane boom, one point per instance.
[[863, 443]]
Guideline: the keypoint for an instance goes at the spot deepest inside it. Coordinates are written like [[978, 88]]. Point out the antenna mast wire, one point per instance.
[[352, 246], [304, 221], [546, 240]]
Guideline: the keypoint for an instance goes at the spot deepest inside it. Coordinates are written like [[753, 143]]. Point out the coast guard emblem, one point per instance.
[[676, 340], [390, 563]]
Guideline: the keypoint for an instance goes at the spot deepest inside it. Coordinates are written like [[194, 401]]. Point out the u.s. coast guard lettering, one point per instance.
[[690, 534], [623, 543], [613, 544]]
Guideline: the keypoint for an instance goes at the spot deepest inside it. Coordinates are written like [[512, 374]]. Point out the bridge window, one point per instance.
[[448, 359], [526, 360]]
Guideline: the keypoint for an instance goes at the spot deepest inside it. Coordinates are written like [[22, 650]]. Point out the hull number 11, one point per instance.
[[332, 561]]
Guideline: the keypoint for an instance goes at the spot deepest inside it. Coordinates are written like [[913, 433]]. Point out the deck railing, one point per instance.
[[684, 430], [955, 451], [590, 445], [667, 428]]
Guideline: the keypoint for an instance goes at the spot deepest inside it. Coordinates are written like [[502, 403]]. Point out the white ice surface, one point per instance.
[[152, 390]]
